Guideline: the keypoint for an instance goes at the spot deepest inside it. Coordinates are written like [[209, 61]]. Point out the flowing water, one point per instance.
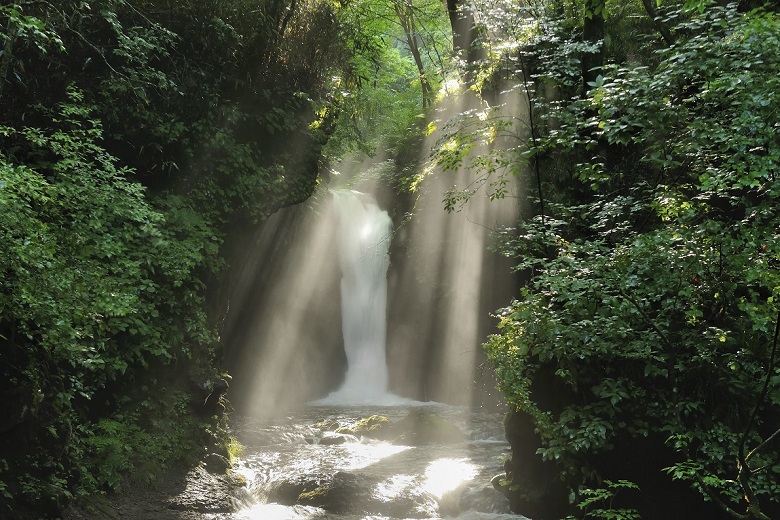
[[298, 466], [371, 479], [364, 241]]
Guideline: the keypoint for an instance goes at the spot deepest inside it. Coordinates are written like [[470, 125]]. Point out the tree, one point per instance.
[[138, 141], [593, 34], [649, 322]]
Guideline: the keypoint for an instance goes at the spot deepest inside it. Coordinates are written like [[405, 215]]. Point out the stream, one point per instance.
[[369, 479], [436, 460]]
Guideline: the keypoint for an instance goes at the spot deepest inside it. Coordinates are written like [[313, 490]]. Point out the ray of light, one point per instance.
[[289, 327], [451, 283]]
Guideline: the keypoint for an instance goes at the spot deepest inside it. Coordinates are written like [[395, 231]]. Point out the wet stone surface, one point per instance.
[[437, 464], [183, 495]]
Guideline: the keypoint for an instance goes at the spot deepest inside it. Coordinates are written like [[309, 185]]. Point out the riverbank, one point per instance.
[[184, 494]]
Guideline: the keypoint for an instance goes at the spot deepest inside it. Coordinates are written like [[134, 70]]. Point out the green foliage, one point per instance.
[[597, 503], [27, 27], [379, 102], [136, 138], [141, 143], [653, 276], [92, 274], [127, 447]]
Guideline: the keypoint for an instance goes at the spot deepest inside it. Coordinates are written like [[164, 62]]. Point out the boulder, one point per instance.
[[422, 427], [332, 439], [287, 490], [418, 428], [216, 463], [349, 494], [374, 427], [205, 492]]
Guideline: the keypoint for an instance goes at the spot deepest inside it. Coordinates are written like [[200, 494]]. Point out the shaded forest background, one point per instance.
[[142, 142]]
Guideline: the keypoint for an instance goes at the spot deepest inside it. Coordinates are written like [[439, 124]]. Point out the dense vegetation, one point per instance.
[[140, 141], [642, 353]]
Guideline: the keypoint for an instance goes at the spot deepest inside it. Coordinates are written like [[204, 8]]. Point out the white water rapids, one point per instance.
[[389, 481], [365, 478]]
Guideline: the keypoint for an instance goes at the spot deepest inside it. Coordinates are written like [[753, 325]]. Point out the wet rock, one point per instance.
[[287, 490], [419, 427], [422, 427], [374, 427], [205, 492], [328, 425], [500, 484], [349, 494], [332, 439], [346, 430], [216, 463], [341, 494]]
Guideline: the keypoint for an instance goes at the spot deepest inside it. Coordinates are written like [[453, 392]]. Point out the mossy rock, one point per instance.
[[288, 490], [340, 493], [422, 427], [418, 428], [350, 494], [317, 496], [375, 427]]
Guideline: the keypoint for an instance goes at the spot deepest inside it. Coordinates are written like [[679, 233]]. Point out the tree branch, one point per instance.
[[744, 473], [663, 29], [719, 501], [758, 448]]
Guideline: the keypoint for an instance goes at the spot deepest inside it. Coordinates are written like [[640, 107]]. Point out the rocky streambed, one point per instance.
[[342, 463]]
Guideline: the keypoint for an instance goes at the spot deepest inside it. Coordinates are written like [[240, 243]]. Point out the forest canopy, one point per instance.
[[649, 320], [141, 141]]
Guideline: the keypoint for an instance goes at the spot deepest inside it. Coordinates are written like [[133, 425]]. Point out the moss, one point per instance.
[[423, 427], [372, 424], [234, 448], [315, 495]]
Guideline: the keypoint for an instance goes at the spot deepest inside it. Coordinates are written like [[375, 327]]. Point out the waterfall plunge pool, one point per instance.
[[297, 467], [368, 479]]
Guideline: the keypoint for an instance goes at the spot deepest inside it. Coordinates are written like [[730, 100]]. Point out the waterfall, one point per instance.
[[364, 241]]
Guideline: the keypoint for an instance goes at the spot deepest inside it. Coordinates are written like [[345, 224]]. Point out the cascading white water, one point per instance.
[[364, 241]]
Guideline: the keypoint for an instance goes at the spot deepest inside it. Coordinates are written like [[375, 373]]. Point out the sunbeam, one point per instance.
[[449, 283]]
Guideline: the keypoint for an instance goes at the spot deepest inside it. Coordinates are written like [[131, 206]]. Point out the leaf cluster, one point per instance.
[[138, 140], [653, 276]]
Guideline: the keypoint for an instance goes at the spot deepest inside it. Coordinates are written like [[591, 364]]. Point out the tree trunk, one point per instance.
[[465, 36], [462, 25], [593, 33], [406, 17], [663, 29]]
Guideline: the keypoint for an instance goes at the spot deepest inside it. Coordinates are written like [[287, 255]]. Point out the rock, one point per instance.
[[535, 489], [328, 426], [206, 493], [216, 463], [332, 439], [348, 494], [422, 427], [373, 426], [346, 430], [287, 490], [343, 493], [499, 486], [419, 427]]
